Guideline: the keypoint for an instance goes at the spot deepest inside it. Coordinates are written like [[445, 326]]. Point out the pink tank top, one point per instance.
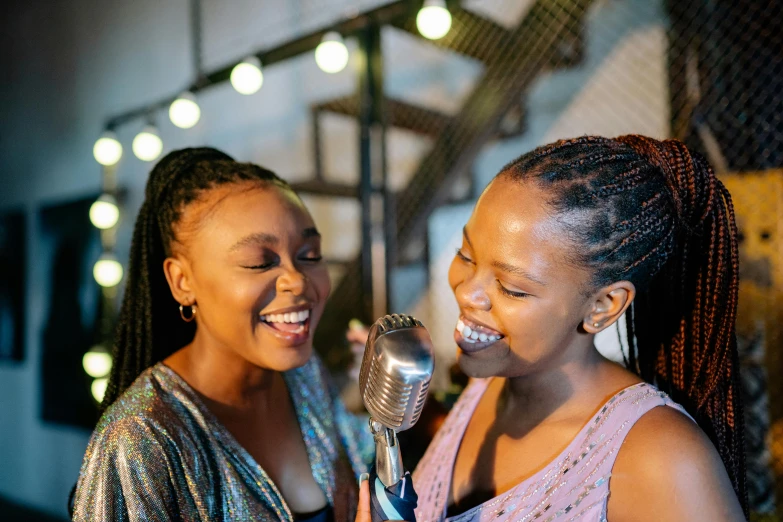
[[574, 486]]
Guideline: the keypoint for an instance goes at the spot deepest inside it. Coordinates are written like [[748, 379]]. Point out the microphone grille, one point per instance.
[[396, 371]]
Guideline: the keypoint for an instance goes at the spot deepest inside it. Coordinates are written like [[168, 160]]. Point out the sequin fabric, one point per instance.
[[159, 454], [574, 486]]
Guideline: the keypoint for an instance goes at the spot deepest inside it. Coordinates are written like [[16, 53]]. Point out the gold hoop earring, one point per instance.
[[192, 313]]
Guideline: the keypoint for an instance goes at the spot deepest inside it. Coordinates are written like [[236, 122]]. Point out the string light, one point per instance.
[[331, 55], [147, 144], [97, 362], [104, 213], [247, 77], [107, 149], [434, 19], [184, 112], [98, 388], [107, 271]]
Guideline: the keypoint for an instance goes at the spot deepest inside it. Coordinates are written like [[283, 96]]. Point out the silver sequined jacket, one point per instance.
[[159, 454]]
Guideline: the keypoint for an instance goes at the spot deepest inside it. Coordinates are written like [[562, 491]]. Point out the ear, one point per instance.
[[607, 305], [180, 279]]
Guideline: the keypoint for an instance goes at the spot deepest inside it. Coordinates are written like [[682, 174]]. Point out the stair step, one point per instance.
[[400, 114]]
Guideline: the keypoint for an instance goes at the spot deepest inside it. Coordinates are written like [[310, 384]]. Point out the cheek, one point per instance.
[[319, 276]]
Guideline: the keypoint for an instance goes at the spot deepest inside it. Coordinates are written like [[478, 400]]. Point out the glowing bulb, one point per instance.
[[98, 388], [433, 20], [107, 271], [184, 111], [331, 55], [104, 213], [107, 150], [147, 144], [97, 362], [246, 77]]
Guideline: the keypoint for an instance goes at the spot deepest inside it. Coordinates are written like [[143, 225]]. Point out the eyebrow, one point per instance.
[[511, 269], [270, 239]]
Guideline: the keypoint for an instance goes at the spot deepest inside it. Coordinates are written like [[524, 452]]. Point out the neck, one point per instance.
[[224, 377], [541, 394]]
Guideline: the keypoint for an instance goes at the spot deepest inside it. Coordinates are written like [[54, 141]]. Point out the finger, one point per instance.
[[363, 512]]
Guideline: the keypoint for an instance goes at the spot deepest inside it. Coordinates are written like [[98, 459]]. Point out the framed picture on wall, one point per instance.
[[68, 246], [12, 285]]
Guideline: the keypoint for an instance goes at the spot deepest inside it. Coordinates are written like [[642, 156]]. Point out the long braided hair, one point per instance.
[[149, 327], [653, 213]]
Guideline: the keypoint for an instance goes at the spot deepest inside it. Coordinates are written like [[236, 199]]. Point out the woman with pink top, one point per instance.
[[562, 243]]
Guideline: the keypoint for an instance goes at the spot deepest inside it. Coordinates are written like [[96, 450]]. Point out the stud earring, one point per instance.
[[596, 325]]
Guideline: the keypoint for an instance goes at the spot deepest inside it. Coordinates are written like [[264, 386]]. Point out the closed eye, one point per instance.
[[311, 259], [462, 256], [265, 266], [511, 293]]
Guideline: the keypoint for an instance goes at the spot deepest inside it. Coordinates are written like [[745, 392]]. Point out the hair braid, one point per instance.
[[653, 213], [149, 327]]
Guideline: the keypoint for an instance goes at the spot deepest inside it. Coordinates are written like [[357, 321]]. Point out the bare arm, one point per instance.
[[667, 469]]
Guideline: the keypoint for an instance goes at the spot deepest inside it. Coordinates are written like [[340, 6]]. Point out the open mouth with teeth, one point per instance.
[[471, 333], [295, 323]]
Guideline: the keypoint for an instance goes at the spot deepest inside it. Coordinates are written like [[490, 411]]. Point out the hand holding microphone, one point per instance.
[[395, 375]]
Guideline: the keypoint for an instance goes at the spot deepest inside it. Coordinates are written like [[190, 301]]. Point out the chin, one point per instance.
[[475, 368]]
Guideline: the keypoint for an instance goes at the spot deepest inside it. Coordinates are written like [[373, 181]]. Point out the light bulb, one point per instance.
[[104, 213], [433, 20], [97, 362], [107, 150], [246, 77], [184, 111], [107, 271], [331, 55], [98, 388], [147, 144]]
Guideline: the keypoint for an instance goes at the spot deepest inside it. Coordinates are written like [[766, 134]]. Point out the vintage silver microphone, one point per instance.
[[395, 374]]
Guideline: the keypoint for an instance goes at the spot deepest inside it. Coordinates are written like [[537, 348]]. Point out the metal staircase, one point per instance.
[[548, 36]]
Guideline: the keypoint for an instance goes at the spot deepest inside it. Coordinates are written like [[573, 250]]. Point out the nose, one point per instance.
[[470, 294], [292, 281]]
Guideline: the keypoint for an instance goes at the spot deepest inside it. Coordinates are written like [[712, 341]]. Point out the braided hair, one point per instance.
[[653, 213], [149, 327]]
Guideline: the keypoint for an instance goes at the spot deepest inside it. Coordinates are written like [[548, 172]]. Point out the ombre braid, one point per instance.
[[149, 327], [653, 213]]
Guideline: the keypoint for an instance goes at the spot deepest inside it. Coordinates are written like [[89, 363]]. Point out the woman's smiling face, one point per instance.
[[521, 301], [251, 258]]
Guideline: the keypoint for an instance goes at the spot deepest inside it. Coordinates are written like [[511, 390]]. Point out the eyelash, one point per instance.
[[266, 266], [462, 256], [509, 293]]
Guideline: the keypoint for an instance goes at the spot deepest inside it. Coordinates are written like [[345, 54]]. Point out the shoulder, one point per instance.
[[143, 414], [667, 469]]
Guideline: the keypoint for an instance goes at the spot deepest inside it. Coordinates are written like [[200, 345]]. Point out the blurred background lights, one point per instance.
[[246, 77], [97, 362], [184, 112], [107, 271], [107, 149], [104, 213], [331, 55], [433, 20], [147, 144], [98, 388]]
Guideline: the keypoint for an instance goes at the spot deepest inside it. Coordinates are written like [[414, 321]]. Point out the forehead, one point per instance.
[[234, 210], [514, 223], [517, 210]]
